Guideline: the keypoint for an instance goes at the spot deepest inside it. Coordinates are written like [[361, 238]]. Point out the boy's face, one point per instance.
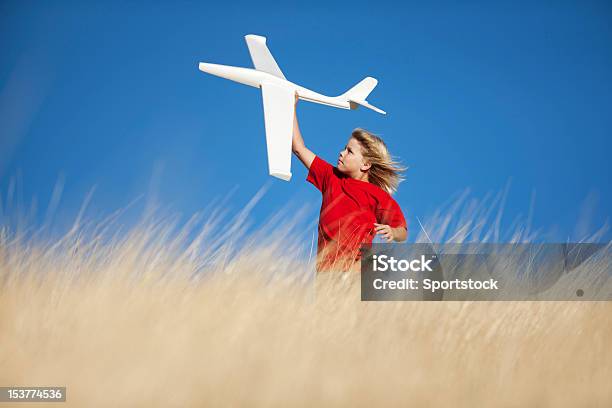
[[351, 161]]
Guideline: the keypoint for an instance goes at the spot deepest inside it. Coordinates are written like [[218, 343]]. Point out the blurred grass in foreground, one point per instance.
[[161, 315]]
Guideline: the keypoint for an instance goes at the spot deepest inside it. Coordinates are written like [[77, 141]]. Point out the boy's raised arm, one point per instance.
[[297, 145]]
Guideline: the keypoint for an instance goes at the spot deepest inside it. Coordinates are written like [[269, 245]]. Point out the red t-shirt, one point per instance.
[[349, 210]]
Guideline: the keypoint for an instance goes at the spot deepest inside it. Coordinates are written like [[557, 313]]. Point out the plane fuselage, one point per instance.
[[255, 78]]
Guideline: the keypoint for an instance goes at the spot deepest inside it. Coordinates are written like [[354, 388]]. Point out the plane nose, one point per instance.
[[215, 69], [205, 67]]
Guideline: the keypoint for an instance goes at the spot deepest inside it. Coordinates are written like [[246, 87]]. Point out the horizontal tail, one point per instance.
[[366, 105], [357, 95]]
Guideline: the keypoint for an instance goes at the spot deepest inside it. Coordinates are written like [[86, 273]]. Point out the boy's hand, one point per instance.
[[385, 231], [297, 98]]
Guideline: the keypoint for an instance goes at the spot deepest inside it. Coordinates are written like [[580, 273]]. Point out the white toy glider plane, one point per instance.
[[279, 98]]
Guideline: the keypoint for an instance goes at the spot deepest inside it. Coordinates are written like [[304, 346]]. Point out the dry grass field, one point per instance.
[[163, 316]]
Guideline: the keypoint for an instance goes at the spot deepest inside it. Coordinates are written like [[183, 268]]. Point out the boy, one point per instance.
[[356, 198]]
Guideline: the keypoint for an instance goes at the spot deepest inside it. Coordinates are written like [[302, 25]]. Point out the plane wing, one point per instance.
[[261, 56], [278, 104]]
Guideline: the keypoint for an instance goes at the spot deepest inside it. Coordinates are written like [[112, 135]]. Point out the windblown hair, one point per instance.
[[385, 172]]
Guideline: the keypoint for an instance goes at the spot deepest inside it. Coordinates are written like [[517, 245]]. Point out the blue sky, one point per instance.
[[479, 96]]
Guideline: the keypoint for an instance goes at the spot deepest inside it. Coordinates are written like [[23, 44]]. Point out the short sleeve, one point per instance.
[[388, 212], [319, 173]]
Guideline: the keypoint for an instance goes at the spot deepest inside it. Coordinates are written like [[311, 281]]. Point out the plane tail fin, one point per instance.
[[361, 91], [357, 95]]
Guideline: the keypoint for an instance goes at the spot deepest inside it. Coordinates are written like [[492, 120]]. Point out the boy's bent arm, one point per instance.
[[297, 143], [400, 234]]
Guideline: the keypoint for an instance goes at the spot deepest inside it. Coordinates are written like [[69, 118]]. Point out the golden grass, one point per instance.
[[152, 318]]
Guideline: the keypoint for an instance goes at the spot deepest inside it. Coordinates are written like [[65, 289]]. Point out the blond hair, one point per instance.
[[385, 172]]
